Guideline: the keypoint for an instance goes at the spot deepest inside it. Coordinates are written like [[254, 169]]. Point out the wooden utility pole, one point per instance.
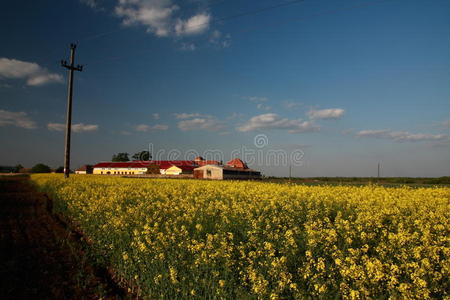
[[378, 169], [71, 68]]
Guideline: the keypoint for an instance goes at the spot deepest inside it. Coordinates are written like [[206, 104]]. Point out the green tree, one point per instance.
[[122, 156], [40, 168], [17, 168], [143, 155], [59, 170]]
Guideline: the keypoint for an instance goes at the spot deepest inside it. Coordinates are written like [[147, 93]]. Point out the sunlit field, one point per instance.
[[170, 238]]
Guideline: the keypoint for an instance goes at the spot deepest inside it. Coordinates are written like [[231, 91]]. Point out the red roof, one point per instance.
[[237, 163], [162, 164], [127, 164], [84, 168], [208, 162]]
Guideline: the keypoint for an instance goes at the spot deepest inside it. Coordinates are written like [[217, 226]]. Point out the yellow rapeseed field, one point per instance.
[[187, 239]]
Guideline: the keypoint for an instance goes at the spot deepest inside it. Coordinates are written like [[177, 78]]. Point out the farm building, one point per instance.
[[120, 168], [237, 163], [86, 169], [141, 167], [225, 172], [178, 170], [175, 167], [198, 168]]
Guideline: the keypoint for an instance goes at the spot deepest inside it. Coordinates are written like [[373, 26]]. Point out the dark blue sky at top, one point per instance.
[[385, 63]]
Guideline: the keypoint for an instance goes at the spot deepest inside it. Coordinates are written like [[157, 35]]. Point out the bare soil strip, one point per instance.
[[39, 257]]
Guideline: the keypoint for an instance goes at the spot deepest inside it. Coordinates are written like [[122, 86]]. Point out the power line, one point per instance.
[[238, 15], [301, 19]]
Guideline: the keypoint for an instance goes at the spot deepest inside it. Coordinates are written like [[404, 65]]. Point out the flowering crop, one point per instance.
[[253, 240]]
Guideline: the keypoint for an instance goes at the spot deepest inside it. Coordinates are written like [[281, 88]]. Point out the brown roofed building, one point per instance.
[[86, 169], [237, 163]]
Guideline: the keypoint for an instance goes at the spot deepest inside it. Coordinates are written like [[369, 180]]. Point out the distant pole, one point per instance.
[[71, 68], [290, 172], [378, 170]]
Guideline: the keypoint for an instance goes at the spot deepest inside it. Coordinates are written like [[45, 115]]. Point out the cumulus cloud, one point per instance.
[[80, 127], [34, 74], [146, 128], [274, 121], [18, 119], [194, 25], [400, 136], [158, 16], [330, 113], [155, 116], [208, 123]]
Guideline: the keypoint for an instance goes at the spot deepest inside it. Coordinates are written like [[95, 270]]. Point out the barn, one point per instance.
[[225, 172], [86, 169], [178, 170]]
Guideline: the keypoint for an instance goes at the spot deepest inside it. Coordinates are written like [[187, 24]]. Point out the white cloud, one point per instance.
[[188, 46], [292, 104], [56, 126], [155, 116], [146, 128], [274, 121], [330, 113], [262, 106], [235, 115], [18, 119], [80, 127], [158, 17], [194, 25], [92, 3], [220, 40], [208, 123], [181, 116], [401, 136], [160, 127], [34, 74], [255, 99], [84, 127], [44, 79], [260, 102]]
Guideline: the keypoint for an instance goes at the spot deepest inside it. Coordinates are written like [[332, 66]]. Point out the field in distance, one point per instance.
[[386, 181], [185, 239]]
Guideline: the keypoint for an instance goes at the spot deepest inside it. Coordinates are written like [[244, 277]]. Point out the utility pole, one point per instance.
[[378, 169], [290, 172], [71, 68]]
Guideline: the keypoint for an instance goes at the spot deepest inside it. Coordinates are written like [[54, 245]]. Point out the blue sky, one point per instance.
[[334, 86]]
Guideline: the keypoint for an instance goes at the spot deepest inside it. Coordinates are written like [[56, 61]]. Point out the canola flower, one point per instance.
[[186, 239]]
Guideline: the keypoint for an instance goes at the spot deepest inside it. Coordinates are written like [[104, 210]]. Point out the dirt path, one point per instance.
[[39, 258]]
